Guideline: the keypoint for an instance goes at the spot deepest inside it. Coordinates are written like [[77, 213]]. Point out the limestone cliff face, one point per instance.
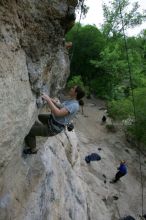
[[33, 58], [46, 186]]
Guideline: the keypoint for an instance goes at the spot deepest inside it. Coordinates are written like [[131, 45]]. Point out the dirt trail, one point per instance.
[[93, 136]]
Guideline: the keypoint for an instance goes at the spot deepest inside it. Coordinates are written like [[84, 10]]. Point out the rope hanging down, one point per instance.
[[134, 109]]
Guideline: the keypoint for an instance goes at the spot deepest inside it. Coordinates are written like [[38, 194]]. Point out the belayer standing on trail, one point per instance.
[[52, 124], [81, 103], [122, 171]]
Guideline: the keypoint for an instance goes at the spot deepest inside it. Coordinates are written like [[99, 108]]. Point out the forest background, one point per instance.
[[111, 65]]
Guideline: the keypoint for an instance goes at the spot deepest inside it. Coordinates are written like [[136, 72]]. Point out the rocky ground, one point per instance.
[[108, 201]]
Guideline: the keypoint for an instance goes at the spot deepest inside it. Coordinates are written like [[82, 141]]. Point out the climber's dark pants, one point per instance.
[[118, 176], [45, 129]]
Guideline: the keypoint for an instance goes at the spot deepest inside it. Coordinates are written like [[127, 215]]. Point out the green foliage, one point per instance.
[[120, 109], [109, 69], [87, 44], [120, 92], [131, 108], [112, 15], [76, 80], [82, 7], [140, 110], [101, 87], [116, 72]]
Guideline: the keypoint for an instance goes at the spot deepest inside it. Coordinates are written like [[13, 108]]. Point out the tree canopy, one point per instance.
[[112, 65]]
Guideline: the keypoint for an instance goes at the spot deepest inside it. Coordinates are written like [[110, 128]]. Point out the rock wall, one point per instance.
[[33, 58], [47, 186]]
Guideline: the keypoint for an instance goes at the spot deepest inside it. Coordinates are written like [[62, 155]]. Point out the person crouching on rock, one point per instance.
[[52, 124]]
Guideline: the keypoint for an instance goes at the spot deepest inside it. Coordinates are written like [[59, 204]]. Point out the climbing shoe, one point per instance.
[[30, 151]]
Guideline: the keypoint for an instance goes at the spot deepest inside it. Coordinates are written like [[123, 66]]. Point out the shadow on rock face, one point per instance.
[[127, 218]]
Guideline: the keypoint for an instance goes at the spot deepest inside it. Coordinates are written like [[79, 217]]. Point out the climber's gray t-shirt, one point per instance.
[[72, 106]]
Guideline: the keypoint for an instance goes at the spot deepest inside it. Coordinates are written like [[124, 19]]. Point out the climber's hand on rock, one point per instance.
[[45, 97]]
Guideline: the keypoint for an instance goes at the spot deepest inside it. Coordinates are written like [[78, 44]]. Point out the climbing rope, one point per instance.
[[134, 109]]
